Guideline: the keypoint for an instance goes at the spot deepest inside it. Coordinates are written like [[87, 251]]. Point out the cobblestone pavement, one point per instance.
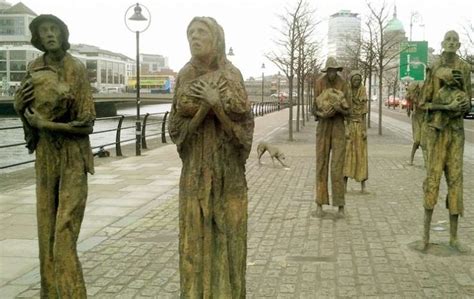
[[291, 254]]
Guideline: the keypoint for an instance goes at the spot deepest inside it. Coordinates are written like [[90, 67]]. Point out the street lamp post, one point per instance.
[[137, 23], [263, 78], [263, 83], [415, 17], [278, 91]]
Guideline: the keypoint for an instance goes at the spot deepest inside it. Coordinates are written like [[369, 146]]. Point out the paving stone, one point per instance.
[[290, 253]]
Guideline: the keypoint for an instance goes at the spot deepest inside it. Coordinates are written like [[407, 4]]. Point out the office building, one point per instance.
[[344, 36]]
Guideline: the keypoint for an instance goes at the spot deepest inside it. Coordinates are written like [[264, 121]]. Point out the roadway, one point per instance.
[[401, 115], [398, 122]]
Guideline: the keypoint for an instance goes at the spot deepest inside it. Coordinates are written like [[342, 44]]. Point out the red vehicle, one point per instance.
[[392, 102], [405, 104]]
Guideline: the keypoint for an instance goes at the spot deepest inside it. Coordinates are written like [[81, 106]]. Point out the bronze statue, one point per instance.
[[211, 124], [356, 161], [417, 119], [332, 104], [446, 96], [56, 106]]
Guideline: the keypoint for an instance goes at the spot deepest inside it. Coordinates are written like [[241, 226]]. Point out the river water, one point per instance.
[[19, 154]]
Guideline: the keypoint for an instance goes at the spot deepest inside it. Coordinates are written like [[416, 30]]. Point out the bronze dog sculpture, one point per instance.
[[274, 152]]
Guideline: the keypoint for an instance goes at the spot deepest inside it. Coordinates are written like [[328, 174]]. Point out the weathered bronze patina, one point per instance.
[[446, 96], [417, 119], [212, 126], [56, 107], [356, 161], [332, 104]]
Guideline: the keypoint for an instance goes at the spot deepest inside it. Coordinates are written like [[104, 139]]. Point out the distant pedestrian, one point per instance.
[[56, 107], [356, 164], [332, 105]]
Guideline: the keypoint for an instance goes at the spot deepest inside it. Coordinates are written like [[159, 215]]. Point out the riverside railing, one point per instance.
[[150, 120], [156, 120], [262, 108]]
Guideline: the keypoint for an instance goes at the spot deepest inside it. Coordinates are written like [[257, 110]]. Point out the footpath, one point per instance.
[[129, 239]]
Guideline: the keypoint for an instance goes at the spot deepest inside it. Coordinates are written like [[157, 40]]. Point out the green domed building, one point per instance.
[[394, 29]]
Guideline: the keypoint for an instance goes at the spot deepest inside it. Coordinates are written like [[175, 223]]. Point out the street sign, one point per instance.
[[413, 60]]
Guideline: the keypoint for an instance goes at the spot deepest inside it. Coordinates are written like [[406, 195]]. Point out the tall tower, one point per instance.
[[343, 35]]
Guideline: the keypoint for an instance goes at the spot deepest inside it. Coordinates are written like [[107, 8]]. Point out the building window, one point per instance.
[[116, 73], [122, 74], [17, 55], [91, 66], [110, 78], [17, 76], [12, 26], [18, 65]]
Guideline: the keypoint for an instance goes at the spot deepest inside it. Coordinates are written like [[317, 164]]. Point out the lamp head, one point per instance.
[[137, 16]]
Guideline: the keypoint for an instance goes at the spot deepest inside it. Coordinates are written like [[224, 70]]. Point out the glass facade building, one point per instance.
[[343, 35]]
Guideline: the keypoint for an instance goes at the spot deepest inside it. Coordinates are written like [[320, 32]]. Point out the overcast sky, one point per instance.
[[248, 24]]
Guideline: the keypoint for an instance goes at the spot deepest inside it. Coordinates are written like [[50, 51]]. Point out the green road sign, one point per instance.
[[413, 60]]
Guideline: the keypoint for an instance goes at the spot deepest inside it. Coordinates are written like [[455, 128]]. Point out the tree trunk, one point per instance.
[[369, 103], [380, 98]]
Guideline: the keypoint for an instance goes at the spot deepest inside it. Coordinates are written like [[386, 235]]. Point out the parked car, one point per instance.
[[392, 102], [404, 104], [470, 114]]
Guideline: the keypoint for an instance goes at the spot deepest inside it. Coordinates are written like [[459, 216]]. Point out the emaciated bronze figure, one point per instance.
[[332, 105], [56, 106], [356, 164], [446, 97], [212, 125]]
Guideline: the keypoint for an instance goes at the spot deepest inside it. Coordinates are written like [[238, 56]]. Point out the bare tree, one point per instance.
[[287, 52], [467, 50], [385, 49], [307, 50], [360, 56]]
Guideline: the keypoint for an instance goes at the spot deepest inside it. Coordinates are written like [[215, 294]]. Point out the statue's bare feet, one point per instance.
[[422, 246], [319, 211], [362, 188], [340, 212], [454, 243]]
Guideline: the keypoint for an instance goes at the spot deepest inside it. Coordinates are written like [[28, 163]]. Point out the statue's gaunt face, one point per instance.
[[451, 42], [50, 36], [356, 81], [200, 39]]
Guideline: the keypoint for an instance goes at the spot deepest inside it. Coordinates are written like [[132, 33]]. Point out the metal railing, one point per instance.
[[13, 145], [262, 108], [148, 119]]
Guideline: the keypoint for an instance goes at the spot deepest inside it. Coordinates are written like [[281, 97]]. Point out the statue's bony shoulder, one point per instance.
[[72, 63], [36, 63]]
